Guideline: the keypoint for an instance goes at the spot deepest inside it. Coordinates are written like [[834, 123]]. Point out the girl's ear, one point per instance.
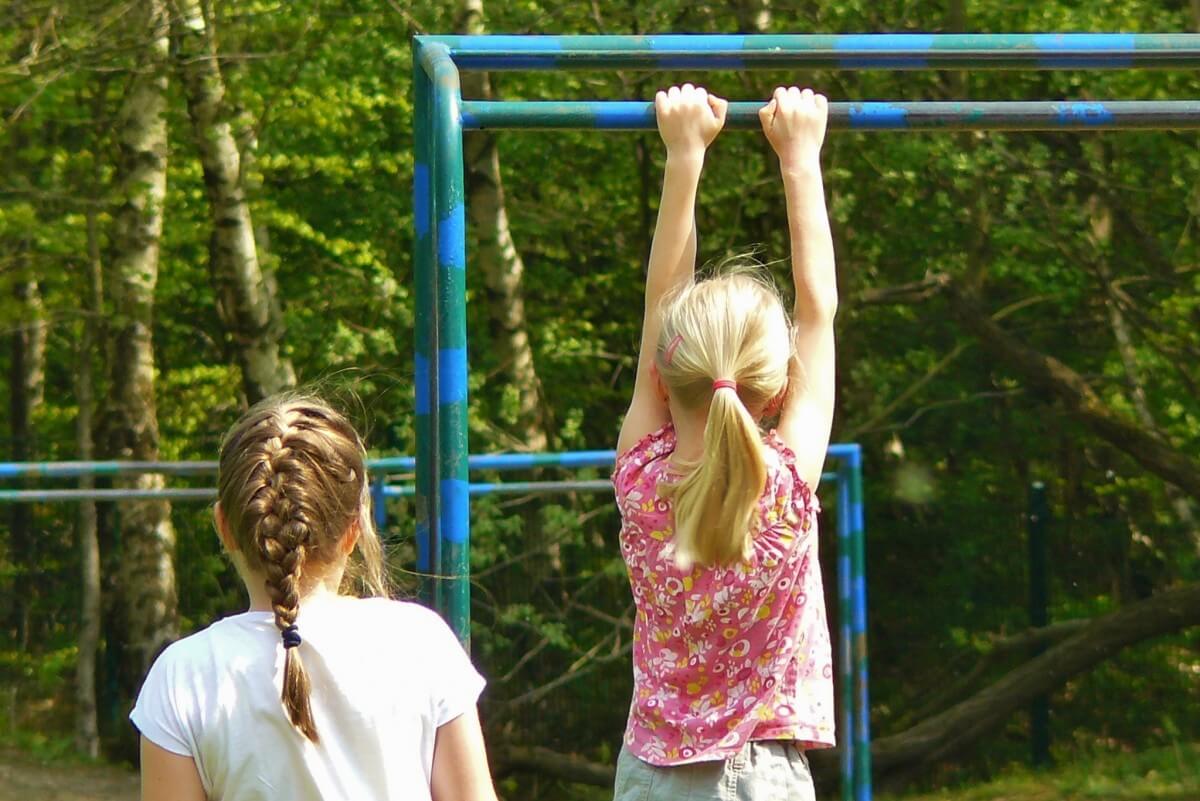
[[222, 526], [660, 386], [776, 403], [350, 538]]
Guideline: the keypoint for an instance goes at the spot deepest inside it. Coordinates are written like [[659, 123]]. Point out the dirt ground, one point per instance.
[[25, 779]]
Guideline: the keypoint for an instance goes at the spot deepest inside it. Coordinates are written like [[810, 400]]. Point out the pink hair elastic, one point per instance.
[[724, 383], [669, 353]]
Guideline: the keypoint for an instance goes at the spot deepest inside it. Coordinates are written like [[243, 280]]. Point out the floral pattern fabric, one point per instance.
[[729, 654]]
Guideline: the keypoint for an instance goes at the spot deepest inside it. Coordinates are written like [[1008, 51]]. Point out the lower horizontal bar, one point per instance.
[[514, 488], [206, 494], [1048, 115], [57, 495]]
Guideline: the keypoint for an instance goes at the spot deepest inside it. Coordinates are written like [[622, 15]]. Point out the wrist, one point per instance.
[[685, 156], [800, 164]]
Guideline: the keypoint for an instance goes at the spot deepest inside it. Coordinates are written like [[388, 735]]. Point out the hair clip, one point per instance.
[[669, 353]]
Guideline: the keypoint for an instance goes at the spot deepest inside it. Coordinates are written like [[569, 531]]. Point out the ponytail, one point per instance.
[[725, 344], [715, 503]]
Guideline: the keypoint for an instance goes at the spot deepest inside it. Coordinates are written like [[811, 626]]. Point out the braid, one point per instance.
[[283, 537], [292, 481]]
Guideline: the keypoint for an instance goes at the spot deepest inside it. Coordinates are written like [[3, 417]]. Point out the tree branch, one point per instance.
[[1050, 375]]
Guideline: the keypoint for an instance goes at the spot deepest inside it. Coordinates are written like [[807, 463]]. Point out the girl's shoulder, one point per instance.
[[653, 447], [783, 474]]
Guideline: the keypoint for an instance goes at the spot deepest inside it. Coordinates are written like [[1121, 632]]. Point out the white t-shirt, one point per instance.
[[385, 675]]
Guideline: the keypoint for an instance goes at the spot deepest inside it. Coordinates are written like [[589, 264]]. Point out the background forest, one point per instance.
[[204, 201]]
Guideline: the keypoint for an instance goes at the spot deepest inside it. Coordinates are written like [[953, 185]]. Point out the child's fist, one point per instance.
[[794, 123], [689, 118]]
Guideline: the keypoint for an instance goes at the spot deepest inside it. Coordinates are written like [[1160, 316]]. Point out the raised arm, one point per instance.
[[794, 123], [689, 119]]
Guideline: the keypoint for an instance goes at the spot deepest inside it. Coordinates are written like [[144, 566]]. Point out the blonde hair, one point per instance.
[[730, 326], [291, 481]]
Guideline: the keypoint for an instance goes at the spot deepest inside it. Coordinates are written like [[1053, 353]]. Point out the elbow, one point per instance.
[[816, 308]]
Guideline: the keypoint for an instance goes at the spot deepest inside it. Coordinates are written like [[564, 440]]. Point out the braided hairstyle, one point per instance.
[[291, 482]]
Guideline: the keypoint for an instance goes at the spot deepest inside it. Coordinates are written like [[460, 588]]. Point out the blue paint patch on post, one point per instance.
[[884, 43], [1089, 114], [1059, 43], [859, 591], [456, 518], [421, 200], [421, 383], [878, 115], [451, 235], [453, 385]]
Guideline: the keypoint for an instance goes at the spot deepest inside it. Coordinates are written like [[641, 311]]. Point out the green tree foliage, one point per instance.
[[952, 435]]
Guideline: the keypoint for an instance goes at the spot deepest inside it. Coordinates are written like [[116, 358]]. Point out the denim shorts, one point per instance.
[[767, 770]]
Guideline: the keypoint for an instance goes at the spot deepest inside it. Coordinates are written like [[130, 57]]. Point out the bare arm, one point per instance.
[[169, 777], [460, 768], [688, 121], [794, 122]]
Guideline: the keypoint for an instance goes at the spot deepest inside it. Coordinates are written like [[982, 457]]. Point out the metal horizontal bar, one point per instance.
[[619, 115], [904, 51], [514, 488], [122, 494], [483, 461], [508, 461], [108, 468]]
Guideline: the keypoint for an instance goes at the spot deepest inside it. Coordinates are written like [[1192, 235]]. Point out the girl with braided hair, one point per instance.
[[731, 654], [310, 694]]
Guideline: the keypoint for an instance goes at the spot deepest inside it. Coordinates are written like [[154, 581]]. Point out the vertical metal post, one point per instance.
[[449, 226], [846, 729], [1039, 708], [425, 335], [858, 569], [378, 508]]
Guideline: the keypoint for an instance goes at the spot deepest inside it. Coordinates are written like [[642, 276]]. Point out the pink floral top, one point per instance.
[[724, 655]]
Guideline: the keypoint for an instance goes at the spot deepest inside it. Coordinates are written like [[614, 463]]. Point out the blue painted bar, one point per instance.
[[846, 728], [384, 464], [1050, 115], [105, 468], [858, 560], [514, 488], [907, 51], [451, 503], [427, 532], [205, 494]]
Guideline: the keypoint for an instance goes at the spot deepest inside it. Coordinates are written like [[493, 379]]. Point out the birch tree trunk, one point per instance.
[[247, 295], [87, 732], [499, 260], [26, 378], [143, 612]]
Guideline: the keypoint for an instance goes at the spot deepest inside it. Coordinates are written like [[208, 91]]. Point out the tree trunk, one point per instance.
[[26, 378], [499, 261], [1101, 235], [87, 732], [962, 725], [247, 295], [144, 607]]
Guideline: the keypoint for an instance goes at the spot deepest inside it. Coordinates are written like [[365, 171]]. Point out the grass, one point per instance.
[[1171, 773]]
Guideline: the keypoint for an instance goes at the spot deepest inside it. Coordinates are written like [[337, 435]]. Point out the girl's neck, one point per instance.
[[260, 600], [689, 432]]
